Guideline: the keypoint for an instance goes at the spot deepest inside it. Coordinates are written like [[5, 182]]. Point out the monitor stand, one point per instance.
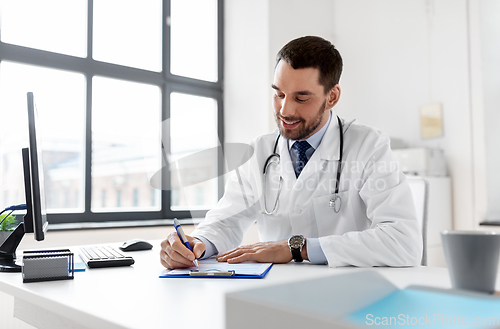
[[8, 250]]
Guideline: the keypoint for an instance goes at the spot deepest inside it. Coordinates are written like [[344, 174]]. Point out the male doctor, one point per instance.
[[306, 205]]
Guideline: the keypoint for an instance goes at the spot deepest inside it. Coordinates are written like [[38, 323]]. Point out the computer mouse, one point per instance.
[[135, 245]]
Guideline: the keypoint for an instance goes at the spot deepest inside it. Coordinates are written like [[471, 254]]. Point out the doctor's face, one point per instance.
[[299, 101]]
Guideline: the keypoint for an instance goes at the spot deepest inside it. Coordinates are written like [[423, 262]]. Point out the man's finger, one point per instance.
[[230, 254], [242, 258], [178, 258], [173, 264], [178, 246], [163, 257], [238, 250]]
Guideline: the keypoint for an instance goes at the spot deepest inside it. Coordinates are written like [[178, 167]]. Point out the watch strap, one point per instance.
[[296, 255]]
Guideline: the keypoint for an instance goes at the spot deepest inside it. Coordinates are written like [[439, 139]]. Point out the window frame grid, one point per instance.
[[167, 83]]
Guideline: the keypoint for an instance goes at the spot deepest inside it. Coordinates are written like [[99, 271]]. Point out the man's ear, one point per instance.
[[333, 96]]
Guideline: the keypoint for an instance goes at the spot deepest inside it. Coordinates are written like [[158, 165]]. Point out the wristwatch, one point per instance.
[[296, 242]]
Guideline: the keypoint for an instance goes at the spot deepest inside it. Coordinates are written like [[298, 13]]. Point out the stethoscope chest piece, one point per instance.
[[335, 203]]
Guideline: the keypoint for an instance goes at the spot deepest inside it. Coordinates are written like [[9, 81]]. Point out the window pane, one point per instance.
[[55, 25], [125, 145], [194, 39], [193, 128], [60, 101], [128, 32]]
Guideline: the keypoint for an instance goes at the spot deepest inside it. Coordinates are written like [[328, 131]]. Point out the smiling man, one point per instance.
[[320, 188]]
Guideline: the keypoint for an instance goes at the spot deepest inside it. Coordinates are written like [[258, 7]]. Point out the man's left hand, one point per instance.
[[263, 252]]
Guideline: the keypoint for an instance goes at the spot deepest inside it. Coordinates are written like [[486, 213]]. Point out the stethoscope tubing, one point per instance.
[[337, 183]]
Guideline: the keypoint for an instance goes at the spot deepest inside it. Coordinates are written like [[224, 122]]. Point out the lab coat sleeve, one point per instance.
[[394, 237], [226, 224]]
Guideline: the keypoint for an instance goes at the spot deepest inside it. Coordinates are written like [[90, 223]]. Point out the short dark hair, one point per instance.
[[316, 52]]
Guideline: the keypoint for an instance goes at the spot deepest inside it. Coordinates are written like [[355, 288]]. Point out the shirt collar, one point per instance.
[[316, 138]]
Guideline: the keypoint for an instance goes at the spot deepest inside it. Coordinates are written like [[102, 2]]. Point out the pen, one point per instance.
[[182, 236]]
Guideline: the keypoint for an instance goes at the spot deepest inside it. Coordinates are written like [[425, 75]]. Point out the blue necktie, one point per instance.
[[301, 147]]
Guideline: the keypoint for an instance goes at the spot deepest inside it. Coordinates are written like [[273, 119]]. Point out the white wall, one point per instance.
[[401, 55], [489, 34], [290, 19], [255, 30], [477, 111], [246, 94], [398, 56], [384, 45]]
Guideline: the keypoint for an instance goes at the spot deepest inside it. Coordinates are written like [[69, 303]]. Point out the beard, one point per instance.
[[305, 130]]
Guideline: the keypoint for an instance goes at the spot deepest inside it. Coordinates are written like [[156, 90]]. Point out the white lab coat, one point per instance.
[[376, 225]]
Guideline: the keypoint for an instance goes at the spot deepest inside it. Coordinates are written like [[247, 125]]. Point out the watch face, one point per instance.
[[296, 241]]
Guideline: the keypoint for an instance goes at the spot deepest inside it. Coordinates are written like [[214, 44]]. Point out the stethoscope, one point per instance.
[[335, 202]]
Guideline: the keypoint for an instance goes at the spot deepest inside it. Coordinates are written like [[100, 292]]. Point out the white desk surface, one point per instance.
[[135, 297]]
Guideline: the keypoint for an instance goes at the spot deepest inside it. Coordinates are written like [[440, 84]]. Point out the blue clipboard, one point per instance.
[[215, 270]]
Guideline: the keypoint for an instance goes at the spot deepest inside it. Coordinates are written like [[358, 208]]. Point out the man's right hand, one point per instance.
[[174, 254]]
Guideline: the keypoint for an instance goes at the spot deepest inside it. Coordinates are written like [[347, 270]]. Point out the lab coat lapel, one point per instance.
[[287, 171], [329, 148]]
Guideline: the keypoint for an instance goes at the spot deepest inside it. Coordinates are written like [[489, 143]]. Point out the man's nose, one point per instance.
[[287, 108]]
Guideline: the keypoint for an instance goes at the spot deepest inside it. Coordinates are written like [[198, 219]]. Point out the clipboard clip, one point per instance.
[[214, 272]]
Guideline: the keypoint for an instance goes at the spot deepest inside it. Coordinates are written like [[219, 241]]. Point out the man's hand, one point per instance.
[[263, 252], [174, 254]]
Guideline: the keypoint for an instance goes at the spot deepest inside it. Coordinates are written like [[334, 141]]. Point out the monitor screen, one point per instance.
[[35, 220], [36, 186]]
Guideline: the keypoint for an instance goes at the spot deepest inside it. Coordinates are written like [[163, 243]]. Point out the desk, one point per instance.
[[134, 297]]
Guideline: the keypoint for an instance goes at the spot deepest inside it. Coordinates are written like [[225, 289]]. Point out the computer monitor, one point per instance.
[[35, 220], [33, 181]]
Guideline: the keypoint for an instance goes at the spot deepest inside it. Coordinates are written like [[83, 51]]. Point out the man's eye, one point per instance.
[[301, 100], [280, 95]]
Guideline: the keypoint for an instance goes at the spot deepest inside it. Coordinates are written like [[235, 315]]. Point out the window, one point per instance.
[[124, 89], [188, 43], [103, 199], [60, 100], [136, 197], [188, 137], [59, 26], [123, 112]]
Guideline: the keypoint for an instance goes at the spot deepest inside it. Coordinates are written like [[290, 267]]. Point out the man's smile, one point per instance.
[[289, 124]]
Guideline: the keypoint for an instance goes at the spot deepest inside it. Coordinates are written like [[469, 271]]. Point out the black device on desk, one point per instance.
[[35, 220], [104, 256], [135, 245], [108, 256]]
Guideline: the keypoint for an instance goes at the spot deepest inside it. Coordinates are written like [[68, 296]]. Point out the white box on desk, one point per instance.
[[319, 303], [356, 300]]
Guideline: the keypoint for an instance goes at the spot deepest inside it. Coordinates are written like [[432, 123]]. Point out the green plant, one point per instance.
[[9, 223]]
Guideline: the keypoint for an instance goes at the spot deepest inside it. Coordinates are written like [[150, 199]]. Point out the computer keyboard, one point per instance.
[[104, 256]]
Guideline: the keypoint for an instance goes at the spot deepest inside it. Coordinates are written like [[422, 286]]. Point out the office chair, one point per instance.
[[420, 190]]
